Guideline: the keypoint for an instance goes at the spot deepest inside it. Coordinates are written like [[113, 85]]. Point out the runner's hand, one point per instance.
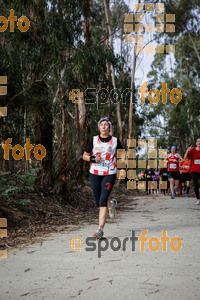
[[189, 148], [98, 158]]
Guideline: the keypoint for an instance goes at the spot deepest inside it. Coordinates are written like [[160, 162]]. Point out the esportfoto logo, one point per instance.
[[153, 244]]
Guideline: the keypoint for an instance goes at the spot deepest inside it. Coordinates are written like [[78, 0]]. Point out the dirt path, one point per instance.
[[51, 270]]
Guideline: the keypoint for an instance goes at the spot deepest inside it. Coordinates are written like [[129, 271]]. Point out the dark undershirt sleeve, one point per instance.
[[119, 145], [89, 146]]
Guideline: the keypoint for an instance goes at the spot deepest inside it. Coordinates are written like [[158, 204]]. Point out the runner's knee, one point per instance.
[[103, 202]]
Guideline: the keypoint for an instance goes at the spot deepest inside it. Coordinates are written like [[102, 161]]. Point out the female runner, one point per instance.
[[101, 152]]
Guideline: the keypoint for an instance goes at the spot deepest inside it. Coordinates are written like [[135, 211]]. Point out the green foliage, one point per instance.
[[178, 124], [28, 178], [10, 192], [53, 51], [20, 204], [17, 185]]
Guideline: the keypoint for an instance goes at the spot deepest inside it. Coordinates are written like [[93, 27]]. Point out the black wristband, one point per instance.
[[92, 159]]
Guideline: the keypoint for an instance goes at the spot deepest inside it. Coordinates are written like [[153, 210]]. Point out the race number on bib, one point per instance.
[[186, 167], [197, 161], [102, 166], [172, 166]]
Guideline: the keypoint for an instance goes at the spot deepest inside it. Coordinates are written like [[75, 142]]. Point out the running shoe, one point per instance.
[[98, 234], [112, 212], [198, 202], [112, 209], [186, 196], [172, 196]]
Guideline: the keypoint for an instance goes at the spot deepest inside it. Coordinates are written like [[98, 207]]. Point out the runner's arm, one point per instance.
[[87, 153], [86, 156], [166, 158], [186, 153], [181, 159], [119, 145]]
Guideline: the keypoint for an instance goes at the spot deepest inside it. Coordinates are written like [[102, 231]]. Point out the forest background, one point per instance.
[[72, 45]]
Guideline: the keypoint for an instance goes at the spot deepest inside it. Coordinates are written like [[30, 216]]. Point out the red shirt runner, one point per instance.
[[173, 163], [194, 154]]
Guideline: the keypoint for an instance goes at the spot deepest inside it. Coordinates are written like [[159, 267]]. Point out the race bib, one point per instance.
[[148, 176], [186, 167], [197, 161], [101, 166], [172, 166], [164, 174]]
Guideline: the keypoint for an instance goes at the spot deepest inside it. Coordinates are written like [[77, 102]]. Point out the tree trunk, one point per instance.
[[108, 63], [86, 13], [64, 149], [132, 96], [119, 124], [44, 128], [130, 131], [86, 31], [43, 111], [121, 53]]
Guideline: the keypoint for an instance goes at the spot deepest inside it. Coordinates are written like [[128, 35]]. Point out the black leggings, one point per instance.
[[102, 186], [147, 182], [196, 178]]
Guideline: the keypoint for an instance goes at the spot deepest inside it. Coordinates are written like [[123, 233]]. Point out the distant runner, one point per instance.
[[156, 178], [101, 152], [173, 160], [186, 175], [164, 177], [194, 155], [148, 176]]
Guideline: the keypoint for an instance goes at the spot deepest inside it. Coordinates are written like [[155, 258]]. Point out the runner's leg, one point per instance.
[[172, 185], [106, 187], [158, 186], [146, 187], [188, 187], [195, 177], [95, 181], [177, 184]]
